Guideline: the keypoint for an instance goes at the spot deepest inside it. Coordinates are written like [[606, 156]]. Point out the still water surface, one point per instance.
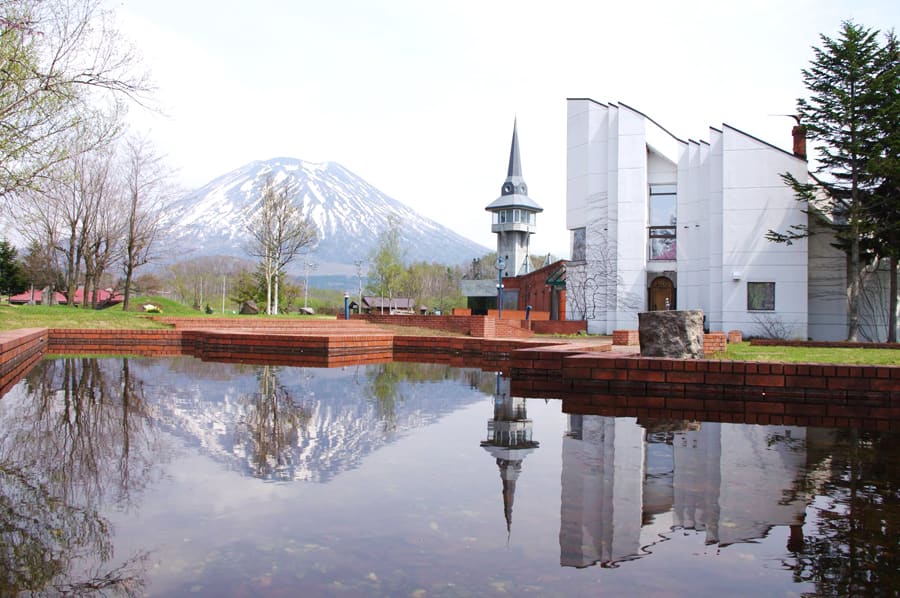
[[173, 477]]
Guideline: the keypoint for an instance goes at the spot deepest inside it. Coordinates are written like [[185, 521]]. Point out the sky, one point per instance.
[[419, 97]]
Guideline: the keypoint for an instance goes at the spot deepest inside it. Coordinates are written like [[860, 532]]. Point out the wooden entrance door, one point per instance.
[[662, 294]]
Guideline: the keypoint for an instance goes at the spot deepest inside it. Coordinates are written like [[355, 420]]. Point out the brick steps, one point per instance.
[[475, 326], [19, 351]]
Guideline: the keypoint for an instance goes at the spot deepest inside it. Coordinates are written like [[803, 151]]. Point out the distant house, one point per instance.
[[387, 305], [105, 298], [38, 297]]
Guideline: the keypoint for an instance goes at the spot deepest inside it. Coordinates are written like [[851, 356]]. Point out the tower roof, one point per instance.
[[514, 192]]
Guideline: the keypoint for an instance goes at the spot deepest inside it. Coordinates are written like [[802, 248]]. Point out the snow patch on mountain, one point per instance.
[[349, 213]]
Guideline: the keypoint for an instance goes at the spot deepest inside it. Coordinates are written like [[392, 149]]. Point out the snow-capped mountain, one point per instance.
[[349, 213]]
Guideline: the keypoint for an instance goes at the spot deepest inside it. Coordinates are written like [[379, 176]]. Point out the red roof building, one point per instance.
[[105, 297]]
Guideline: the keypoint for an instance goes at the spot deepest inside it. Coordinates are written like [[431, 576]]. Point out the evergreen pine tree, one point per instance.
[[884, 206], [840, 117], [12, 278]]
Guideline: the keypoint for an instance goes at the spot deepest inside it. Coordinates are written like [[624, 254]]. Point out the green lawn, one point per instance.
[[747, 352], [61, 316]]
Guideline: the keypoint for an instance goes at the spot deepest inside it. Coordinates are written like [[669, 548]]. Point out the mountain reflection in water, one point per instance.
[[171, 476]]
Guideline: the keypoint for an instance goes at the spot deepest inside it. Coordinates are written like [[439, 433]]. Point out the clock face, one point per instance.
[[500, 263]]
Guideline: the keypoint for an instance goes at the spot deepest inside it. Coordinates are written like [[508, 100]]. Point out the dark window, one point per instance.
[[578, 245], [761, 296]]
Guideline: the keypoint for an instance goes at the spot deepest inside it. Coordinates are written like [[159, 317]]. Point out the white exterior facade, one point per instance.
[[708, 205]]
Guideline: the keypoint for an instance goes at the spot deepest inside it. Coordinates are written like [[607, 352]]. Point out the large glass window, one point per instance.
[[663, 220]]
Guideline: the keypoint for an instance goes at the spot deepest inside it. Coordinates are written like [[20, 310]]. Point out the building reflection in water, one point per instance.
[[509, 441], [626, 485]]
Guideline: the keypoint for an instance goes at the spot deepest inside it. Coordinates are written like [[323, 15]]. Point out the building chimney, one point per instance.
[[799, 133]]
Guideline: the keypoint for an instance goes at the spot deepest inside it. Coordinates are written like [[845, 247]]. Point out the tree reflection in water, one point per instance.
[[383, 388], [76, 440], [384, 384], [851, 547], [271, 427]]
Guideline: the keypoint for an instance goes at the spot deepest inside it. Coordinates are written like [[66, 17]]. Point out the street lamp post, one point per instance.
[[500, 264], [307, 266]]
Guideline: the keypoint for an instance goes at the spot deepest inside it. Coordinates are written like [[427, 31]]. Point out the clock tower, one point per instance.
[[514, 216]]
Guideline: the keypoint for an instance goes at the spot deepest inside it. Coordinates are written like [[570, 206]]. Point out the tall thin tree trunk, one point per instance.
[[275, 298], [129, 260], [853, 291], [892, 318], [127, 293], [269, 277]]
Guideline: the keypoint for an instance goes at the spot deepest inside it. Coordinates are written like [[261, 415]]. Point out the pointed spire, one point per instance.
[[514, 192], [515, 164], [509, 489]]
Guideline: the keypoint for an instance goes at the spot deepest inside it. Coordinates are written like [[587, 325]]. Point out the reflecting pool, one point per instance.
[[174, 476]]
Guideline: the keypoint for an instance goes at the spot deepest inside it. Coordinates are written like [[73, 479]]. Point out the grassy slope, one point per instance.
[[61, 316]]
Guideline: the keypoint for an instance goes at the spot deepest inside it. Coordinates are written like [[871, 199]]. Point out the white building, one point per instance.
[[661, 223]]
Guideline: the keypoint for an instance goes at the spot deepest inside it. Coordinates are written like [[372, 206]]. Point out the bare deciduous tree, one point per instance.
[[63, 210], [63, 63], [279, 232], [773, 326], [106, 224], [146, 187]]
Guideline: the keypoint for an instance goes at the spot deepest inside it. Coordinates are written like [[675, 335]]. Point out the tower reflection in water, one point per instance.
[[627, 485], [509, 441]]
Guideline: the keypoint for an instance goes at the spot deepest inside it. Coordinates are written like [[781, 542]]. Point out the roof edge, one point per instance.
[[764, 142]]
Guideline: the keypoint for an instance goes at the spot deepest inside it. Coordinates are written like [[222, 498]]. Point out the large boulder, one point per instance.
[[675, 334], [249, 308]]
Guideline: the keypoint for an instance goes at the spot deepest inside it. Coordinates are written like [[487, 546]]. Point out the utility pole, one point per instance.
[[359, 264]]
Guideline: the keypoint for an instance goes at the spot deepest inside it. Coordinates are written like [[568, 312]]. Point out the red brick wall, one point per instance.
[[559, 326], [626, 337], [708, 390], [520, 314], [534, 291], [137, 342], [714, 342]]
